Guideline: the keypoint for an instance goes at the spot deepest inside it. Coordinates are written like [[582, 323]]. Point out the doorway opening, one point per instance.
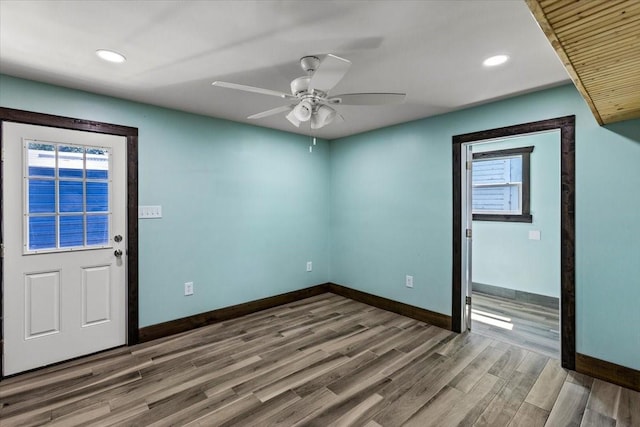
[[462, 283], [515, 254]]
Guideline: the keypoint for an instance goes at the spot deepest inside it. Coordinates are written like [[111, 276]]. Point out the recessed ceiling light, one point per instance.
[[111, 56], [495, 60]]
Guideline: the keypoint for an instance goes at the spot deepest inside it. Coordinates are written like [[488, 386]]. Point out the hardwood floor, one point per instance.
[[322, 361], [527, 325]]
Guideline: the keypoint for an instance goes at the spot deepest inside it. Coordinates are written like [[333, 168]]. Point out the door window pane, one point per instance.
[[97, 163], [41, 159], [42, 232], [70, 162], [71, 196], [97, 229], [71, 231], [97, 196], [42, 196]]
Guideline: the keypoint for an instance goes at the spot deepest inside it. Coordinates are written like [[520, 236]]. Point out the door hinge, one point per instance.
[[469, 164], [468, 233], [467, 300], [1, 250]]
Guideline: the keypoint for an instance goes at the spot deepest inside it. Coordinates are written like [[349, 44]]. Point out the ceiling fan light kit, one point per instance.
[[293, 119], [303, 110], [310, 93], [322, 117]]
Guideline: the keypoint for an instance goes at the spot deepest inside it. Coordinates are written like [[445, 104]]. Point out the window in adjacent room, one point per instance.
[[501, 185]]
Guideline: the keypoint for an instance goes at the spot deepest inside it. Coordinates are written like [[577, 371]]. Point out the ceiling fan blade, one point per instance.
[[271, 112], [253, 89], [330, 71], [368, 98]]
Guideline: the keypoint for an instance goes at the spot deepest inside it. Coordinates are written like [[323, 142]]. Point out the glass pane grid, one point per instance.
[[497, 185], [67, 196]]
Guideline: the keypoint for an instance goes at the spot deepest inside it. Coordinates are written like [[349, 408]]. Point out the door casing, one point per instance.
[[131, 134], [566, 125]]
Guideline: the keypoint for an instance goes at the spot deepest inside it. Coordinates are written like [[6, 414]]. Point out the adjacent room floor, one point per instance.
[[322, 361], [527, 325]]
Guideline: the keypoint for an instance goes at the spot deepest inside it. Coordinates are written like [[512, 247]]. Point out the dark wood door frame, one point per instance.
[[27, 117], [566, 125]]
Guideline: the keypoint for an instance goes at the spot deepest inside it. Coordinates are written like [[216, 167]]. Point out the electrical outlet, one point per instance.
[[309, 266], [408, 281], [188, 288]]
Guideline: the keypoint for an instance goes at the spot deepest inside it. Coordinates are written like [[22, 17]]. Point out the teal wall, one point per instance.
[[503, 255], [391, 198], [243, 207]]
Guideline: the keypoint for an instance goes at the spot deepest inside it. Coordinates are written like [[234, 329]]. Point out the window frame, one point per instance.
[[57, 214], [525, 216]]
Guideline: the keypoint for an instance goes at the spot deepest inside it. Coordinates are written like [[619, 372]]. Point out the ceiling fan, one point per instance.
[[310, 100]]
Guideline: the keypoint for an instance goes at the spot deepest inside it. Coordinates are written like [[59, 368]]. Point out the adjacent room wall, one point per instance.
[[243, 207], [503, 255], [391, 197]]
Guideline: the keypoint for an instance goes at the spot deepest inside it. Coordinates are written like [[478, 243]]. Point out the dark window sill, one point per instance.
[[503, 218]]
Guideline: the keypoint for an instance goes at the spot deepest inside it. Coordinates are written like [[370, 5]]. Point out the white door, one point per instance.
[[64, 224], [467, 224]]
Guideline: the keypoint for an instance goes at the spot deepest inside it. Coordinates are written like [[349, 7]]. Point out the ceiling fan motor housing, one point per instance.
[[300, 85], [309, 63]]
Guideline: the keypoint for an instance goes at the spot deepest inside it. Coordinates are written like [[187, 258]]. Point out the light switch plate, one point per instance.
[[147, 212]]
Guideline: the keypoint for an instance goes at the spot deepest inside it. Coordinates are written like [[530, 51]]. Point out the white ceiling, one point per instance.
[[431, 50]]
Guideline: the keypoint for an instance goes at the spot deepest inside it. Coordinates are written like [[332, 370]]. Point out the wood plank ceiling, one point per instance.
[[599, 43]]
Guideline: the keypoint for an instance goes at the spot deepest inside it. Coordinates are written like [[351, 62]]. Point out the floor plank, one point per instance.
[[326, 360], [595, 419], [569, 408], [529, 415], [604, 398], [628, 408], [502, 409], [527, 325], [545, 391]]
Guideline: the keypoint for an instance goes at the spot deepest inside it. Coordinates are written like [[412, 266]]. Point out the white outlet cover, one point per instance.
[[309, 266], [534, 234], [408, 281], [188, 288]]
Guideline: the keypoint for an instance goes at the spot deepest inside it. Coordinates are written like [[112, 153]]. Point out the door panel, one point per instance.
[[96, 292], [64, 198], [42, 304]]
